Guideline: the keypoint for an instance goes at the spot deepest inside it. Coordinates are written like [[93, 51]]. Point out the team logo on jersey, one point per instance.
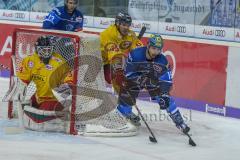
[[49, 67], [69, 27], [30, 64], [111, 47], [125, 44], [139, 44], [157, 68]]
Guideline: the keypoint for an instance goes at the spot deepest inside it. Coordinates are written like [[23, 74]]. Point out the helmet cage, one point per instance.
[[45, 51], [123, 18]]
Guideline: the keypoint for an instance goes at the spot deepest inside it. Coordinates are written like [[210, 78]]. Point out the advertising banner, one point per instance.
[[176, 29], [233, 78], [218, 33], [199, 70], [237, 35], [14, 15], [37, 16], [172, 11], [6, 46], [101, 22]]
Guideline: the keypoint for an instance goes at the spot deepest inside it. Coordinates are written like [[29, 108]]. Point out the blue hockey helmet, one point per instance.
[[155, 40]]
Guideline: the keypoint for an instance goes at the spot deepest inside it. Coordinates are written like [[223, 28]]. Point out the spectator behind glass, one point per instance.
[[66, 18], [41, 6], [98, 12], [21, 5]]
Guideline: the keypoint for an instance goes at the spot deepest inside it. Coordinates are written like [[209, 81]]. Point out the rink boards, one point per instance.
[[206, 73]]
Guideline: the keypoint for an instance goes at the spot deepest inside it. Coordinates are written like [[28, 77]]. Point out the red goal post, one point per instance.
[[90, 98], [23, 43]]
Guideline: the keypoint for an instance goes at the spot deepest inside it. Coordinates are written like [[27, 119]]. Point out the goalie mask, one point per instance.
[[44, 48]]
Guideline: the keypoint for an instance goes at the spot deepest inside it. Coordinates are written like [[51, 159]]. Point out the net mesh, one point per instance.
[[94, 105]]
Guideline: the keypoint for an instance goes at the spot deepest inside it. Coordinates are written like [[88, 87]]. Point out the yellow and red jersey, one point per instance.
[[46, 77], [113, 43]]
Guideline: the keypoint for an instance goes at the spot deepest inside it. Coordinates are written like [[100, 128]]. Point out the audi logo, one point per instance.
[[220, 33], [20, 15], [181, 29]]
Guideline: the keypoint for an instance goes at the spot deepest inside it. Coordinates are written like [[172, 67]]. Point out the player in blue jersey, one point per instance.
[[66, 18], [146, 67]]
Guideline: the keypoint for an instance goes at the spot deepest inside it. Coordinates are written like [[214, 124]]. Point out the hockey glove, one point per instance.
[[163, 101]]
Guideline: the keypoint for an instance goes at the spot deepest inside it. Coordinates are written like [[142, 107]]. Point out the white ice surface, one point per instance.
[[217, 138]]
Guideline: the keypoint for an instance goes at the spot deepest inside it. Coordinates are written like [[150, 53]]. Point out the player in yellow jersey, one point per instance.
[[116, 42], [47, 70]]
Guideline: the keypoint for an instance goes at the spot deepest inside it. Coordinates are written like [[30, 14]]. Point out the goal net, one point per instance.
[[92, 109]]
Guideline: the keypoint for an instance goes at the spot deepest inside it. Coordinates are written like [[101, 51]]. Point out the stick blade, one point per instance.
[[191, 142], [152, 139]]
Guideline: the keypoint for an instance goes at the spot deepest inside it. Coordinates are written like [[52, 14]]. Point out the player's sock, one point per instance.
[[127, 112], [177, 117], [134, 119], [178, 120]]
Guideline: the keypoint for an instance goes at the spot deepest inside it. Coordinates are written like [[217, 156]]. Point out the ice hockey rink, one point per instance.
[[216, 138]]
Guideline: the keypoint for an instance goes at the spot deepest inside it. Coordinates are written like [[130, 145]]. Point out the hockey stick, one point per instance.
[[190, 141], [141, 33], [152, 138]]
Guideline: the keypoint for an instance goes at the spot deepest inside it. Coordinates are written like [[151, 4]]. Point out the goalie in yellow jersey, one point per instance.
[[116, 42], [47, 70]]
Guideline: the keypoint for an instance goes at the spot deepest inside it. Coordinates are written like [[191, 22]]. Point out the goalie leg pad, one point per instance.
[[51, 106], [44, 121], [16, 90]]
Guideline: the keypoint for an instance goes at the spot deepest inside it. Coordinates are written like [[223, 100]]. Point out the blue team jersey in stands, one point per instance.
[[59, 19], [137, 62]]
